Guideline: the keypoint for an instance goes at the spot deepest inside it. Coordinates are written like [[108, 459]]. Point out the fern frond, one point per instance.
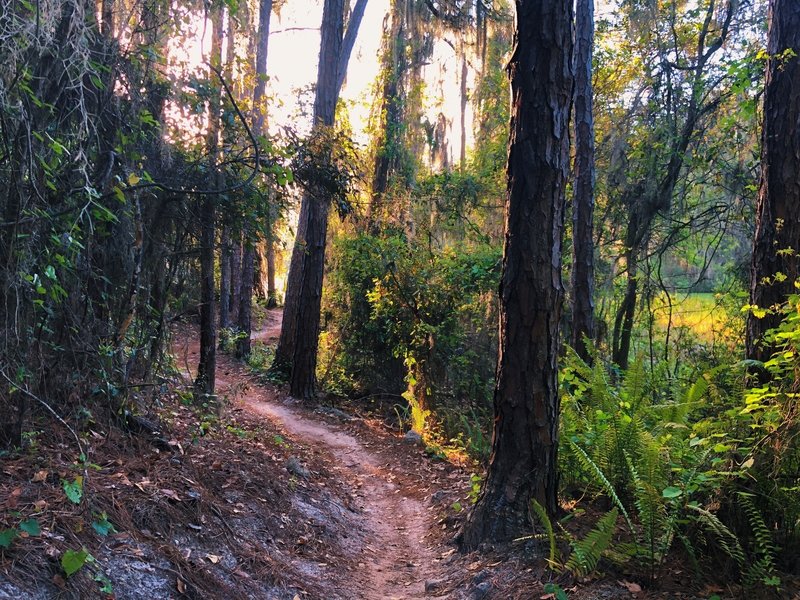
[[658, 528], [603, 481], [586, 553], [764, 567], [544, 520], [726, 538]]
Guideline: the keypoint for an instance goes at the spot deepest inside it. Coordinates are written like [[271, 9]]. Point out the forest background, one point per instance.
[[164, 161]]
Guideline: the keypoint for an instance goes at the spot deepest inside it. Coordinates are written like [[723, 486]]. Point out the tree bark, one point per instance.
[[462, 158], [244, 321], [225, 278], [236, 276], [296, 353], [302, 381], [523, 465], [206, 370], [349, 41], [777, 237], [583, 203]]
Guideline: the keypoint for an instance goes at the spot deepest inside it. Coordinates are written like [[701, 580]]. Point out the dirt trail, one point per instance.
[[393, 557]]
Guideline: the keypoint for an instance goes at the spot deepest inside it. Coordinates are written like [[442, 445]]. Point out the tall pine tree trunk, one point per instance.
[[206, 370], [296, 353], [259, 128], [308, 279], [226, 255], [583, 204], [523, 465], [777, 238]]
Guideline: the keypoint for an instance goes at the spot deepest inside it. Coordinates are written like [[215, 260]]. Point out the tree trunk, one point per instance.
[[302, 381], [583, 204], [244, 324], [777, 237], [259, 128], [225, 278], [206, 370], [284, 352], [236, 276], [296, 353], [523, 464], [272, 291], [623, 322], [462, 159], [349, 41]]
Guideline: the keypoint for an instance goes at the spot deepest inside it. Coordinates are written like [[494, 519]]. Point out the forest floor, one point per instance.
[[259, 497]]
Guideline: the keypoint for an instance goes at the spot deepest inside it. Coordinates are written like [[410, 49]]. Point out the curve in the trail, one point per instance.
[[396, 561]]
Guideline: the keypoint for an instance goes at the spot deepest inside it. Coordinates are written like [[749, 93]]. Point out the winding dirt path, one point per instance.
[[394, 556]]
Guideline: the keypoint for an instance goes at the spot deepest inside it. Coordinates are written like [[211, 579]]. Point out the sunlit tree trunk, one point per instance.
[[523, 465], [296, 352], [259, 128], [312, 261], [777, 237], [226, 248], [583, 204], [205, 381]]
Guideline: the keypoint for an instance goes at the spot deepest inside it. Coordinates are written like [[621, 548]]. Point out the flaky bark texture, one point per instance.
[[583, 204], [525, 441], [777, 237]]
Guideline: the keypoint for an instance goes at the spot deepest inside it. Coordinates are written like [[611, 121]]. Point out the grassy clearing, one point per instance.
[[701, 313]]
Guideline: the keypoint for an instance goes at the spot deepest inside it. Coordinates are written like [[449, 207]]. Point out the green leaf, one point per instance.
[[457, 506], [103, 526], [671, 492], [31, 527], [552, 588], [72, 560], [73, 489], [7, 536]]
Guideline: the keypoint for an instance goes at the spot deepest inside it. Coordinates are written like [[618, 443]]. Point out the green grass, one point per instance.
[[700, 313]]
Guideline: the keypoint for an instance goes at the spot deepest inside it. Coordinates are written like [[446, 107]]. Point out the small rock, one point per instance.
[[431, 585], [481, 576], [295, 467], [481, 590], [438, 496], [335, 412], [413, 438]]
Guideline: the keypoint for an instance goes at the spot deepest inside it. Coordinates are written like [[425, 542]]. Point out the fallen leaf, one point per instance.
[[39, 476], [633, 588], [171, 494], [181, 586], [213, 558], [13, 498], [474, 566]]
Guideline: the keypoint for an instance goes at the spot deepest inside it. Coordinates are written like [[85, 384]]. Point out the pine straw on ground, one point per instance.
[[211, 513]]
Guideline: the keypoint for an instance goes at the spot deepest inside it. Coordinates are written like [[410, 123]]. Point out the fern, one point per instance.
[[586, 553], [726, 538], [763, 569], [657, 526], [603, 481], [541, 515]]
